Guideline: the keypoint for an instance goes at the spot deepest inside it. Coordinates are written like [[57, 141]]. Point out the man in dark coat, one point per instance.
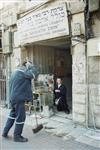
[[20, 91], [60, 97]]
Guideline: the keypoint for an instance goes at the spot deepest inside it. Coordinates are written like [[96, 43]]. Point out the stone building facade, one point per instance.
[[83, 41]]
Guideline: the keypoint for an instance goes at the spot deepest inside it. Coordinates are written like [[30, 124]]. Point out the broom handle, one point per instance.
[[36, 117]]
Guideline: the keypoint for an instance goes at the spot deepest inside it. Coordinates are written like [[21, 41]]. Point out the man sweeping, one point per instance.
[[20, 91]]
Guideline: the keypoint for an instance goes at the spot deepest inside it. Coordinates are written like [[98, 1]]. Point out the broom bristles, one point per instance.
[[37, 129]]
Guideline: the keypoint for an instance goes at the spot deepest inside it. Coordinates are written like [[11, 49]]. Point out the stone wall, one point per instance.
[[79, 86], [86, 75], [79, 72], [94, 74], [94, 91]]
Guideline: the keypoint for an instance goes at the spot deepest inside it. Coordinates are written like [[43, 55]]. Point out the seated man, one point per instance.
[[60, 96]]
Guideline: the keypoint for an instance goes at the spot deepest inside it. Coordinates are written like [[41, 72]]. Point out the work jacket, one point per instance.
[[20, 84]]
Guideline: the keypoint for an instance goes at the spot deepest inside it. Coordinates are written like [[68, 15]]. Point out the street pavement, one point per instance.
[[42, 140]]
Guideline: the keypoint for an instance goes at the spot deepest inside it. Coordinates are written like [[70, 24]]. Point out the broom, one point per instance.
[[38, 126]]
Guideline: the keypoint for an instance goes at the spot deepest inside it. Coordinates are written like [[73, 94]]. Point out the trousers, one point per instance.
[[17, 115]]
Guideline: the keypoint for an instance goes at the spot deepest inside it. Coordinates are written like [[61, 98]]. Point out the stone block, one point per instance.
[[79, 98], [97, 101], [79, 63], [79, 78], [94, 90], [94, 78], [94, 64], [79, 108], [79, 68], [97, 111], [79, 88], [97, 121], [78, 50], [94, 100], [78, 118], [78, 18]]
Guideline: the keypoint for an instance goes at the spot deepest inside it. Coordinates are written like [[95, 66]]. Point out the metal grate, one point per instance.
[[2, 80]]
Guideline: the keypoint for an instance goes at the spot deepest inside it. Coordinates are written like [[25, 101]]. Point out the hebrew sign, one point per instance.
[[45, 24]]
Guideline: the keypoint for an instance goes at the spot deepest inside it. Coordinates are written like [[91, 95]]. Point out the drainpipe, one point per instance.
[[87, 85], [9, 71], [86, 20]]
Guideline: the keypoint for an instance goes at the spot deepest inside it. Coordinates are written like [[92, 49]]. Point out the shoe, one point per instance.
[[20, 139], [67, 112], [24, 138], [4, 135]]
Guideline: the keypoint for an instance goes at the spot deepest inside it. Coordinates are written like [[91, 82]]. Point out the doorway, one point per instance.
[[63, 69], [54, 59]]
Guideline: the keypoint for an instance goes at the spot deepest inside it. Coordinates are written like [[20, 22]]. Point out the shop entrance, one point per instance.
[[54, 60], [63, 69]]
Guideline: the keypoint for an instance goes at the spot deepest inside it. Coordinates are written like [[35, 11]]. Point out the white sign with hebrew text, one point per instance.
[[45, 24]]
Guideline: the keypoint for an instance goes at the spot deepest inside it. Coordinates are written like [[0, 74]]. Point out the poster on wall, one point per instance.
[[44, 24]]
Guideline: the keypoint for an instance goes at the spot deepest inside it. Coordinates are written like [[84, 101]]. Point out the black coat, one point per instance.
[[62, 104]]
